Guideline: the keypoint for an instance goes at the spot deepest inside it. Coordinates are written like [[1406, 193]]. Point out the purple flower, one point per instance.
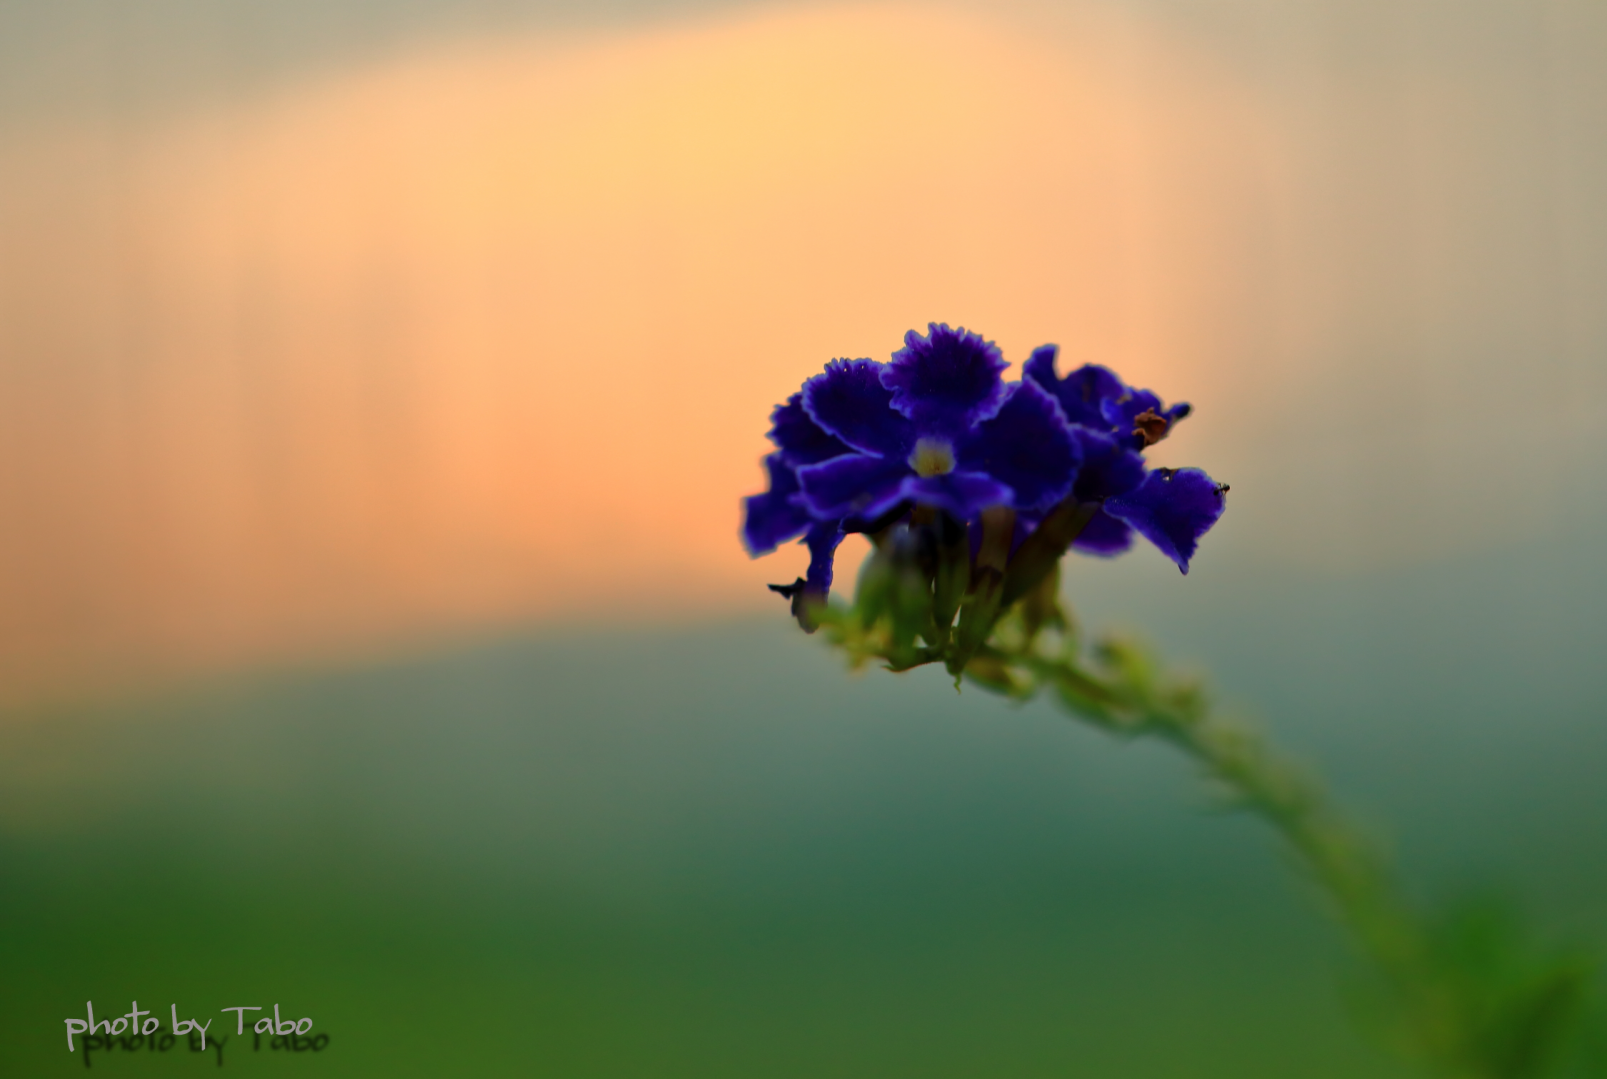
[[1172, 509], [777, 515], [1112, 422], [935, 427], [1110, 469], [815, 586], [772, 518], [863, 442], [1094, 397], [1082, 394]]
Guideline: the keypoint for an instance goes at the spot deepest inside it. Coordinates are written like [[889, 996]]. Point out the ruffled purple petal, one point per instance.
[[1082, 394], [849, 401], [1104, 536], [1172, 509], [880, 521], [823, 540], [1026, 446], [1109, 469], [1122, 414], [1119, 412], [855, 485], [801, 439], [770, 519], [947, 381], [806, 592], [962, 494], [1040, 367]]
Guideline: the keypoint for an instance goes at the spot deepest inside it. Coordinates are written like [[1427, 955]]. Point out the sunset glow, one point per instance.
[[488, 334]]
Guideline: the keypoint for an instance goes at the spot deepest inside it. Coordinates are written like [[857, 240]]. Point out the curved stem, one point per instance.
[[1486, 1023], [1340, 858]]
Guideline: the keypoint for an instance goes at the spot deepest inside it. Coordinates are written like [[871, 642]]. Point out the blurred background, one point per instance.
[[378, 382]]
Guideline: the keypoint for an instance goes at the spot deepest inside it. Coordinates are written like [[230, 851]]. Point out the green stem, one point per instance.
[[923, 599], [1339, 857]]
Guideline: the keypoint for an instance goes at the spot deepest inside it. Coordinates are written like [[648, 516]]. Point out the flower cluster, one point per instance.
[[936, 439]]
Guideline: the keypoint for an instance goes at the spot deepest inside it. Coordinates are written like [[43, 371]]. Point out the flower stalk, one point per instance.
[[1456, 1023], [972, 491]]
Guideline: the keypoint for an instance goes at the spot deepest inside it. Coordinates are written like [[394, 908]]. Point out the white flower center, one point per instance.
[[932, 457]]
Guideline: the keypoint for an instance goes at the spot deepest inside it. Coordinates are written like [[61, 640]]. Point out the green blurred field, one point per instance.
[[706, 850]]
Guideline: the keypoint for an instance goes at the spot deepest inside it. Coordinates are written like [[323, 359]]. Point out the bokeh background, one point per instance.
[[378, 381]]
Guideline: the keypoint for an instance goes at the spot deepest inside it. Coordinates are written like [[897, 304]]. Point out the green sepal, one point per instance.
[[873, 593], [1040, 552], [1040, 607], [977, 615], [952, 577], [893, 602], [909, 612]]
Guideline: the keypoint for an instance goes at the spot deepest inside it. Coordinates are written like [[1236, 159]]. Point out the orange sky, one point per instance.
[[489, 333]]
